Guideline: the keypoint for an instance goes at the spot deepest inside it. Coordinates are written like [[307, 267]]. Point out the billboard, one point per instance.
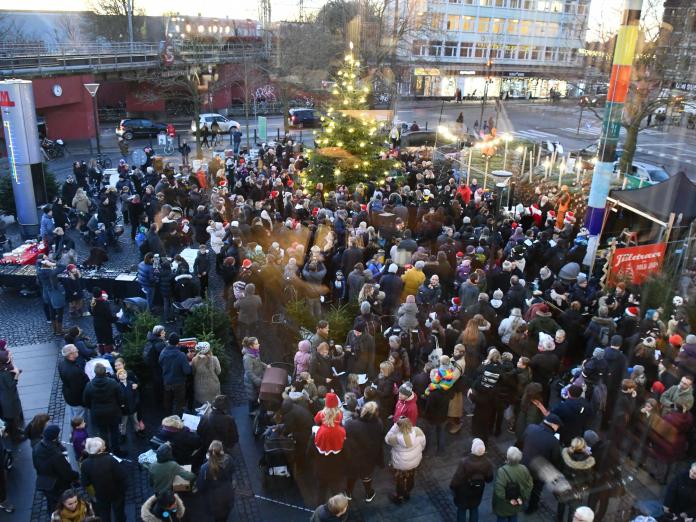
[[633, 264]]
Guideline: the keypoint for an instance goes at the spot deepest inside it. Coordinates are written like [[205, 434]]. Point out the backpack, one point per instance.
[[476, 484], [603, 336], [512, 488]]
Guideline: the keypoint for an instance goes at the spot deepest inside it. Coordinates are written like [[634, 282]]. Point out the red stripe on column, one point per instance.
[[618, 84]]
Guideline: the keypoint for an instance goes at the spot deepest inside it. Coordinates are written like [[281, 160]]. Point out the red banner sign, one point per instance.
[[633, 264]]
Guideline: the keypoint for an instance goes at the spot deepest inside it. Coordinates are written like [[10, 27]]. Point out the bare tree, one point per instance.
[[110, 18], [69, 28]]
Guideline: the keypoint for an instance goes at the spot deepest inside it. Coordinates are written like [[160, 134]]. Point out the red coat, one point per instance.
[[465, 192], [407, 408], [329, 439]]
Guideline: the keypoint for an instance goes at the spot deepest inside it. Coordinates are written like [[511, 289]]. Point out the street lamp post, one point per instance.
[[92, 90]]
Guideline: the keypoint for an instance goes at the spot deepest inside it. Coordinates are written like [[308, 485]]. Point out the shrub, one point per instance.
[[134, 342], [297, 311], [208, 320], [7, 202], [656, 291], [340, 320]]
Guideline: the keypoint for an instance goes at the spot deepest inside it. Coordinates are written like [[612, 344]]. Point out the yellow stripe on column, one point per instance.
[[626, 45]]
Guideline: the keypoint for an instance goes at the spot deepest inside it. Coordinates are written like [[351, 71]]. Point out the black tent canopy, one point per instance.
[[676, 195]]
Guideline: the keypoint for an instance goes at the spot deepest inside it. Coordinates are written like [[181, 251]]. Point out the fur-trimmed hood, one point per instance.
[[577, 461]]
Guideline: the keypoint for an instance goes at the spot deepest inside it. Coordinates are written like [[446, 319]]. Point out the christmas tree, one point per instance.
[[349, 149]]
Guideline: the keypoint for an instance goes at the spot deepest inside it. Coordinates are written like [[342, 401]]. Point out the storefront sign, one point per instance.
[[633, 264], [425, 71], [515, 74], [467, 73]]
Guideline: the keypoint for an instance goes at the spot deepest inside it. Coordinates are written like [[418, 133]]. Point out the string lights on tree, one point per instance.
[[349, 149]]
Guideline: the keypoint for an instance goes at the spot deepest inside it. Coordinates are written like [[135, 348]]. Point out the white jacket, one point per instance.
[[407, 451], [507, 327], [216, 236]]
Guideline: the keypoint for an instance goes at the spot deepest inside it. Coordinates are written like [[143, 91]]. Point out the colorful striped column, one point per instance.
[[624, 52]]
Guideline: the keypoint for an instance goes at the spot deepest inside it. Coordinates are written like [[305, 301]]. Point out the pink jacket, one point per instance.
[[302, 357], [407, 408]]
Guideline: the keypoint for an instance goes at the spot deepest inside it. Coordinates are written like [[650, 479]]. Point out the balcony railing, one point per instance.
[[67, 57]]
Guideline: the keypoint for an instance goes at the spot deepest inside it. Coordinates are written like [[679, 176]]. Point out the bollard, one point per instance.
[[426, 125], [255, 138], [278, 134]]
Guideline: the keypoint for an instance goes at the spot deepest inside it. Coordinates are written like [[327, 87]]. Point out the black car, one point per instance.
[[304, 118], [139, 128]]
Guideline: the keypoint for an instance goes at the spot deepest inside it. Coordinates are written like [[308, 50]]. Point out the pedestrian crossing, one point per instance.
[[595, 130], [534, 135], [585, 132]]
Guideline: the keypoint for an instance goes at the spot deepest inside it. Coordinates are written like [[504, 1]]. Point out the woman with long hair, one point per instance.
[[532, 409], [407, 443], [215, 482], [328, 443], [71, 508], [364, 449], [473, 336]]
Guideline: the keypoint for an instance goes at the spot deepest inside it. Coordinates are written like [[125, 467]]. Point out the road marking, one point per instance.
[[534, 134], [661, 154]]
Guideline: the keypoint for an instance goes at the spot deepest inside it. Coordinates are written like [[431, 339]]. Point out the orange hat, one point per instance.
[[676, 340]]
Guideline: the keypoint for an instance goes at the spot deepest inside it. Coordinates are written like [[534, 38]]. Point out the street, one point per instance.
[[674, 147]]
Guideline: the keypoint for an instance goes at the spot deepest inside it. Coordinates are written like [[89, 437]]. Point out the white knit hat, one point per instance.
[[478, 448], [583, 514]]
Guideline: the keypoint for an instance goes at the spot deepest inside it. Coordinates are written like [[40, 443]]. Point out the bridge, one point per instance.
[[40, 59]]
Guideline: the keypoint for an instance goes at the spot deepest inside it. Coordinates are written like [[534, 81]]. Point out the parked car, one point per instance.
[[139, 128], [595, 100], [208, 119], [643, 174], [589, 154], [304, 118]]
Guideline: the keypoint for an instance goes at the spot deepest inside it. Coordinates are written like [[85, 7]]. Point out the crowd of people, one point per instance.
[[468, 320]]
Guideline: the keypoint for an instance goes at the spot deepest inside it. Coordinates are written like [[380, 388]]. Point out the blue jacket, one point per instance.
[[47, 225], [146, 275], [175, 365]]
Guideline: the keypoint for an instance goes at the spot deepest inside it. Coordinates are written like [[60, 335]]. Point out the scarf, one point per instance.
[[77, 516], [253, 352], [442, 381]]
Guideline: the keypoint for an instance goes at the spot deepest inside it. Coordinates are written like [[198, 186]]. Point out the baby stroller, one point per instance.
[[275, 379], [126, 316], [278, 453]]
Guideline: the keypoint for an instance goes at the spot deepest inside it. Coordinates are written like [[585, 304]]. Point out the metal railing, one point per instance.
[[67, 57]]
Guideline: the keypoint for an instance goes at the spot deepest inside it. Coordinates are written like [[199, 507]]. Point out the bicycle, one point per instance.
[[169, 146], [103, 161]]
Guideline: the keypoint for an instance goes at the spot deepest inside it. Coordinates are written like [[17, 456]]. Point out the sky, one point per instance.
[[604, 14]]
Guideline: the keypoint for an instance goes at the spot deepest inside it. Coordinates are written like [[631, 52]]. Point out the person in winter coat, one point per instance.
[[200, 222], [151, 352], [147, 278], [297, 422], [248, 308], [686, 359], [469, 481], [155, 507], [217, 424], [578, 469], [335, 510], [53, 472], [102, 319], [485, 395], [302, 356], [70, 507], [201, 269], [131, 403], [681, 394], [360, 350], [406, 405], [103, 396], [167, 467], [217, 234], [509, 325], [206, 372], [429, 293], [616, 369], [74, 380], [216, 483], [599, 331], [407, 443], [165, 283], [254, 369], [539, 446], [575, 413], [392, 286], [329, 443], [545, 364], [680, 496], [407, 315], [175, 369], [364, 449], [321, 364], [412, 279], [107, 476], [512, 487]]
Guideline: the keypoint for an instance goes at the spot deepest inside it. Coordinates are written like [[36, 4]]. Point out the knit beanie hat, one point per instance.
[[164, 453], [590, 437], [691, 339], [51, 432], [365, 307], [406, 389], [498, 294], [583, 514], [658, 387], [676, 340], [545, 272], [478, 448], [546, 342], [331, 400]]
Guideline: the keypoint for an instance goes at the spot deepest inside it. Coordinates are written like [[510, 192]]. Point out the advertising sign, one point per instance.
[[633, 264], [263, 127]]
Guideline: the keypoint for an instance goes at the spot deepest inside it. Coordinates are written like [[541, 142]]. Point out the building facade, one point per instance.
[[679, 19], [510, 48]]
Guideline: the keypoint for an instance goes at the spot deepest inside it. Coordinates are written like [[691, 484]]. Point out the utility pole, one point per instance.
[[624, 52], [129, 8], [489, 65]]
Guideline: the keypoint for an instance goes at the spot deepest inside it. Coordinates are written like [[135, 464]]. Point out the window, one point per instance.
[[468, 2], [466, 49], [454, 1], [452, 23], [539, 29], [543, 5], [513, 26], [523, 52], [451, 48], [525, 27], [510, 52], [497, 25], [435, 48], [536, 52], [468, 24], [556, 6], [515, 4], [550, 54], [483, 24], [496, 51], [481, 50], [419, 48], [552, 29], [581, 9], [569, 8], [500, 3], [485, 3], [437, 20]]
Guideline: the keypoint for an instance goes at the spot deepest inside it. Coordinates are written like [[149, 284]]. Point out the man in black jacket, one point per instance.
[[104, 397], [680, 496], [575, 413], [108, 478], [540, 448], [218, 425], [74, 380], [298, 422], [201, 268], [153, 348], [53, 472]]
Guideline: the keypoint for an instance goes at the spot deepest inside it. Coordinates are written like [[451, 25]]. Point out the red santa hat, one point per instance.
[[632, 311], [331, 400], [274, 194], [569, 217], [551, 214], [460, 254], [246, 263], [315, 211], [456, 301]]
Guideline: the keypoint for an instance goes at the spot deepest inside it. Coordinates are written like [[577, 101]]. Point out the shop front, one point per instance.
[[521, 85]]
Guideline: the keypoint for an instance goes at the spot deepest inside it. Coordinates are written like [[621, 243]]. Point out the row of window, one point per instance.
[[553, 6], [494, 51], [484, 24]]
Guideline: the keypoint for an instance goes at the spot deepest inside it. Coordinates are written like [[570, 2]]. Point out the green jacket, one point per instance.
[[674, 395], [162, 475], [505, 474]]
